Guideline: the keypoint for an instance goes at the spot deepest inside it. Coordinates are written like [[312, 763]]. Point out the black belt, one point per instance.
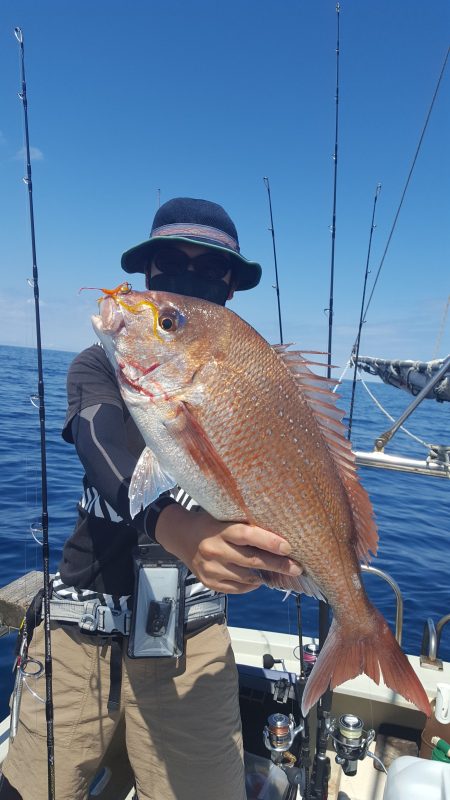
[[190, 628]]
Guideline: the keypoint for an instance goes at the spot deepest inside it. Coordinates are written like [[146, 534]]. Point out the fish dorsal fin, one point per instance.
[[322, 402]]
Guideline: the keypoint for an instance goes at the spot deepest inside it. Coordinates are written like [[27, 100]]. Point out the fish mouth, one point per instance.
[[134, 379], [107, 325], [132, 376], [110, 326], [110, 319]]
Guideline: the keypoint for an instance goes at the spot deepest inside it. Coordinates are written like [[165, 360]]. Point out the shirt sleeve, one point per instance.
[[100, 441], [90, 381], [95, 425]]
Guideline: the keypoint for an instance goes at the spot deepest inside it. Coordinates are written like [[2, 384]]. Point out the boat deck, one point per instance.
[[376, 705]]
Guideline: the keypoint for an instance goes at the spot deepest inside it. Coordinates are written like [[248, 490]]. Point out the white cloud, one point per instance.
[[35, 154]]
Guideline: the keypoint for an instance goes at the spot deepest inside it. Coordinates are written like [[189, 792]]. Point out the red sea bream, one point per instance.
[[254, 435]]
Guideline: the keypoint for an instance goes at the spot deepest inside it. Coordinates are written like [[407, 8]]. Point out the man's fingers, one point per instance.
[[216, 572], [252, 558], [248, 557], [251, 535], [231, 580]]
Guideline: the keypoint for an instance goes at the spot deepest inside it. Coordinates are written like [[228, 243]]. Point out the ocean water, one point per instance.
[[412, 512]]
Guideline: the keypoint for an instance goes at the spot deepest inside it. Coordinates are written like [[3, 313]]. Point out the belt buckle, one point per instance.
[[89, 620]]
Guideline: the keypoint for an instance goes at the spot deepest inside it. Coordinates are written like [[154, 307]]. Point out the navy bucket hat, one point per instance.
[[186, 219]]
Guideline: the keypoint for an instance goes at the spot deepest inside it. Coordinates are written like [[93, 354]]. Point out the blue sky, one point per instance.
[[204, 99]]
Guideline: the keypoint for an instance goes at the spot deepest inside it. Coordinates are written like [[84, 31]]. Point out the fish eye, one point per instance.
[[169, 320]]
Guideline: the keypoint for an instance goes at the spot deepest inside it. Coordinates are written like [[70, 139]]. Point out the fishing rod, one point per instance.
[[333, 224], [305, 755], [45, 543], [362, 319], [277, 285], [321, 763]]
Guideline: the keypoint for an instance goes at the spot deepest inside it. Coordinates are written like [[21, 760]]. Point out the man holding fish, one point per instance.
[[178, 717]]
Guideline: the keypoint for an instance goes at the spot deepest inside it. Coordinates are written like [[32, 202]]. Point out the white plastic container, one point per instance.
[[443, 703], [263, 780], [412, 778]]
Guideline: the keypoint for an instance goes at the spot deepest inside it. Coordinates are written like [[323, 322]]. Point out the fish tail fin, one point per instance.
[[344, 656]]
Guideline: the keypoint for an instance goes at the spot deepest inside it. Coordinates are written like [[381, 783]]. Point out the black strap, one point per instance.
[[115, 674], [8, 792]]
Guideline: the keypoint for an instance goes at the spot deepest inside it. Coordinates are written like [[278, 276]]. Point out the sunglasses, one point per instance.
[[209, 266]]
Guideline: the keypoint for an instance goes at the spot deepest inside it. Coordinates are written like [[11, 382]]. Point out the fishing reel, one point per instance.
[[310, 656], [279, 735], [350, 741]]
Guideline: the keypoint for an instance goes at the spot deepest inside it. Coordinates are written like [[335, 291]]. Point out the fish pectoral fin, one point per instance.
[[188, 431], [148, 482], [303, 583], [184, 427]]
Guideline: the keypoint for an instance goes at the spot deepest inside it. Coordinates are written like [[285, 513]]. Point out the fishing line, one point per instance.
[[355, 348], [408, 180], [392, 419], [45, 543]]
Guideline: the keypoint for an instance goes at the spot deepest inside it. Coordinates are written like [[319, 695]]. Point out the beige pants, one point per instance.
[[181, 722]]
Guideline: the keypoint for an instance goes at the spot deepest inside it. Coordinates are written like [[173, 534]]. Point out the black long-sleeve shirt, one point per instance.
[[97, 557]]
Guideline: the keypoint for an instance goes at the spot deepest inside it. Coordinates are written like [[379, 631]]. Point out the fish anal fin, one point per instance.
[[322, 404], [148, 482], [344, 656], [303, 583]]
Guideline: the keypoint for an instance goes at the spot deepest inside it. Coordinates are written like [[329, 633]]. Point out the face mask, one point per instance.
[[191, 285]]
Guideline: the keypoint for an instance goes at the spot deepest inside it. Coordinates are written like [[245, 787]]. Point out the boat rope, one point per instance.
[[407, 181], [41, 405], [392, 419], [343, 374], [355, 351]]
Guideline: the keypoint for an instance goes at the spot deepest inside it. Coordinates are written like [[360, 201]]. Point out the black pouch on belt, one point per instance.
[[157, 624]]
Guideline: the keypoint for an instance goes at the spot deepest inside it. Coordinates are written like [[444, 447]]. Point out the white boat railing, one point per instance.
[[432, 466], [431, 640], [437, 463], [398, 596]]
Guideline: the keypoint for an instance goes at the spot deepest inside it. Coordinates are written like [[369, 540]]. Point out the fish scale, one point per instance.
[[285, 476], [254, 435]]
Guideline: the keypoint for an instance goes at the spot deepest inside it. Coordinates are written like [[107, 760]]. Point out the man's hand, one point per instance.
[[223, 555]]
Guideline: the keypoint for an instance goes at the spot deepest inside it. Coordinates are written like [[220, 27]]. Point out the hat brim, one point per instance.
[[137, 259]]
